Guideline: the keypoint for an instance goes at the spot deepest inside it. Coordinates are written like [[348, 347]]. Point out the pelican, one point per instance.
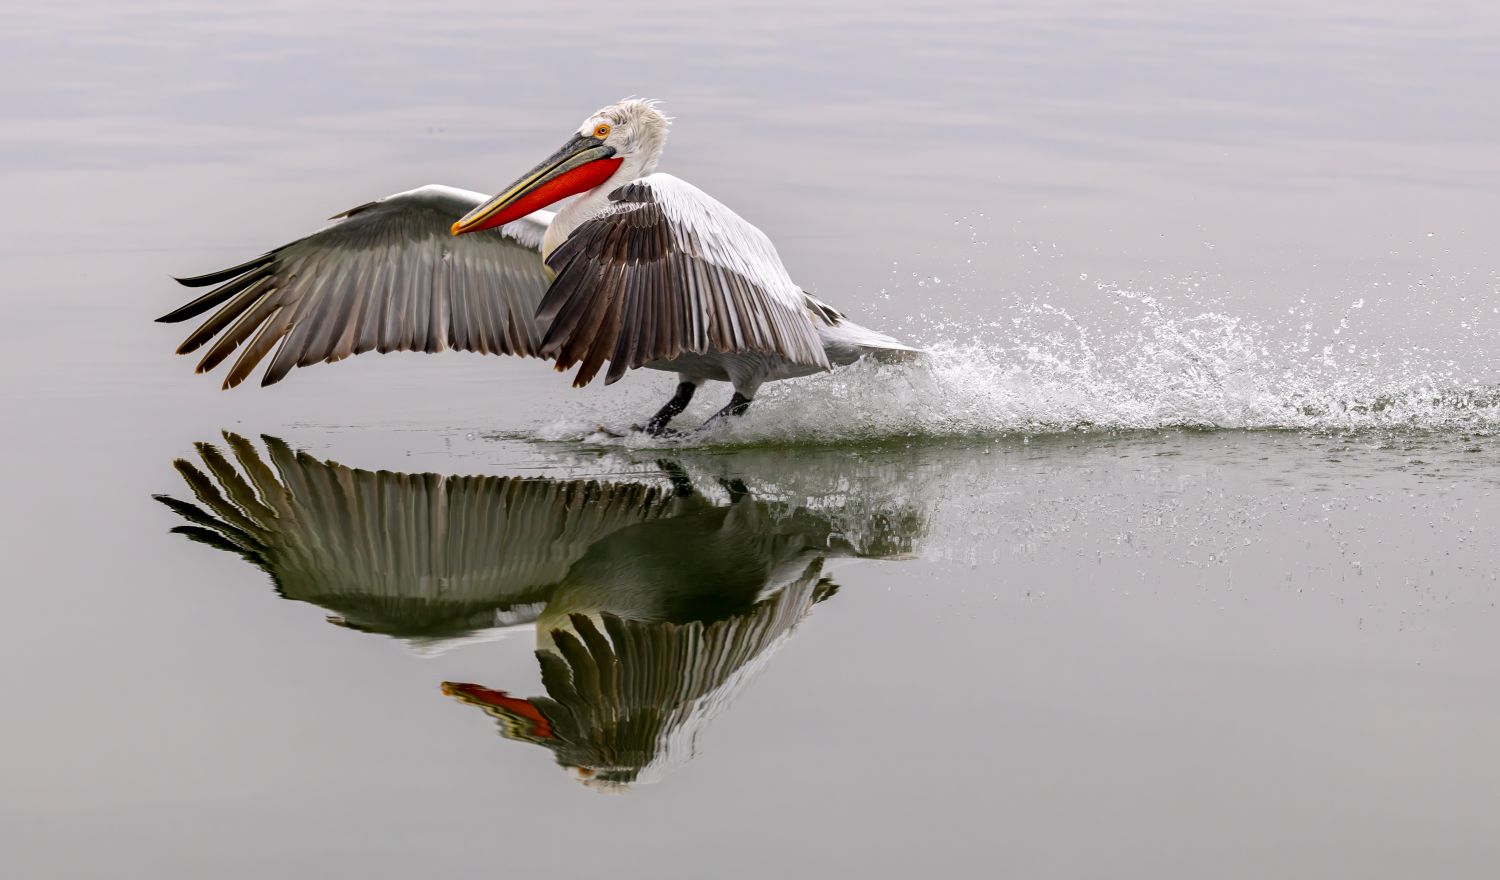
[[642, 269]]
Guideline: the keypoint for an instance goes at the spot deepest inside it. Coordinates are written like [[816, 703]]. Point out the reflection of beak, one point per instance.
[[583, 163], [526, 715]]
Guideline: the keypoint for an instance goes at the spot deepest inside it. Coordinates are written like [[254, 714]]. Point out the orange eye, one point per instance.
[[601, 131]]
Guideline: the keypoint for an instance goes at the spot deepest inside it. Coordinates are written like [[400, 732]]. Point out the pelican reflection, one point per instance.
[[422, 557], [654, 603]]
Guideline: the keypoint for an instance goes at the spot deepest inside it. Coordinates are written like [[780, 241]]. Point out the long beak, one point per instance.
[[582, 164]]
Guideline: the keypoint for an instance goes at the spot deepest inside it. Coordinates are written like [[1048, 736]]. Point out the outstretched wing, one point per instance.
[[666, 270], [388, 276]]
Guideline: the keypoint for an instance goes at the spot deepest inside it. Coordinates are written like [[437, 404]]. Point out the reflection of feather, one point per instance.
[[412, 555], [625, 703]]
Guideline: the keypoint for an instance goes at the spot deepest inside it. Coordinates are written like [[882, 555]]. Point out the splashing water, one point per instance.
[[1042, 370]]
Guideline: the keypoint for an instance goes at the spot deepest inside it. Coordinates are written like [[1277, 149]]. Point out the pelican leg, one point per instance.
[[738, 405], [679, 402]]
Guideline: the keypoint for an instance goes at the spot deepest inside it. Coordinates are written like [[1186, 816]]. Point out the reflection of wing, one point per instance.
[[625, 704], [389, 276], [667, 271], [406, 554]]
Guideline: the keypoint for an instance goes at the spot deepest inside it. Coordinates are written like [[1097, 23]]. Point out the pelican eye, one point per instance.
[[601, 130]]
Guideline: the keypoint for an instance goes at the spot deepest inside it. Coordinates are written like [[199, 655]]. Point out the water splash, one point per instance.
[[1145, 364]]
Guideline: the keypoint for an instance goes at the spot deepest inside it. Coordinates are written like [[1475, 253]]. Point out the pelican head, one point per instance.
[[617, 144]]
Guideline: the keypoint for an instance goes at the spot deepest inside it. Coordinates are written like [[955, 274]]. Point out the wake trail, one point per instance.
[[1041, 370]]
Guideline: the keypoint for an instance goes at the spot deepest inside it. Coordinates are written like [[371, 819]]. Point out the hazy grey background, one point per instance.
[[1169, 653]]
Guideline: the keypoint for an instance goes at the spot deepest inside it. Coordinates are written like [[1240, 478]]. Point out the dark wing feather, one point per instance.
[[667, 271], [388, 276]]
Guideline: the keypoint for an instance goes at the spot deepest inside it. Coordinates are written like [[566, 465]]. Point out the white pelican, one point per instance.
[[645, 270]]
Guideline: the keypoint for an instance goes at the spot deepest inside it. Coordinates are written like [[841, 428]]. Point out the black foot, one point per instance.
[[663, 431], [679, 402], [738, 404]]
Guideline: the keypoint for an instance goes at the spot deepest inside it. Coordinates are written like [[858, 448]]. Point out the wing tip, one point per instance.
[[182, 313], [222, 275]]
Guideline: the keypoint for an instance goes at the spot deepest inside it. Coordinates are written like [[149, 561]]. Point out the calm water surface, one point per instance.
[[1176, 559]]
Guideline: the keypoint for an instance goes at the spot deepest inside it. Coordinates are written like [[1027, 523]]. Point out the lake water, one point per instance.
[[1176, 558]]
